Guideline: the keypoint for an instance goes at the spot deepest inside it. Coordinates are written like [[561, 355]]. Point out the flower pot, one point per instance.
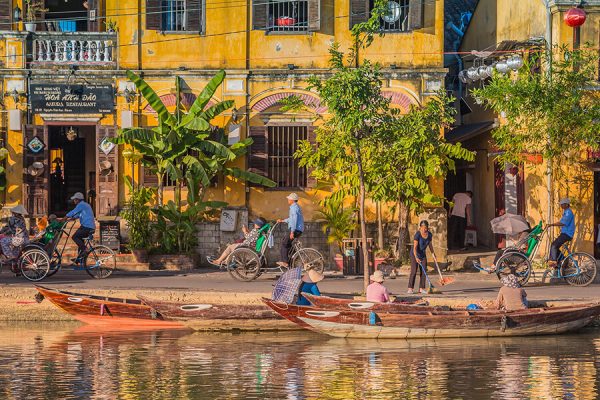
[[141, 255], [30, 26], [339, 262], [286, 21]]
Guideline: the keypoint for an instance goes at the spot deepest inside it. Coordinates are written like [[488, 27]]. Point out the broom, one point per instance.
[[443, 281], [432, 289]]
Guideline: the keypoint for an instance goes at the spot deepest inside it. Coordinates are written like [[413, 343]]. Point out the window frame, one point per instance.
[[298, 170]]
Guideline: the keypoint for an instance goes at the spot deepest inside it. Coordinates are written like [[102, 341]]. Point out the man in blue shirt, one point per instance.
[[295, 223], [84, 212], [567, 230]]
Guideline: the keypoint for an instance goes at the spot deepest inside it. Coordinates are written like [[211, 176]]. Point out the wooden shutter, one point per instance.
[[415, 14], [5, 15], [149, 178], [35, 188], [311, 182], [260, 14], [93, 16], [314, 15], [194, 13], [153, 15], [258, 159], [359, 11], [107, 184]]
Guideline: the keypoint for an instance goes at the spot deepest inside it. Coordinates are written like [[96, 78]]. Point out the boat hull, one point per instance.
[[106, 311], [334, 303], [439, 324]]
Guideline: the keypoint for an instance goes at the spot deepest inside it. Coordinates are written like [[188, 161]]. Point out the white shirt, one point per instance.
[[461, 201]]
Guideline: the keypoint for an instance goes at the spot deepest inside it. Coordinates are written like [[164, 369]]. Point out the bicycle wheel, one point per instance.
[[100, 262], [579, 269], [243, 264], [514, 263], [55, 263], [34, 264], [308, 258]]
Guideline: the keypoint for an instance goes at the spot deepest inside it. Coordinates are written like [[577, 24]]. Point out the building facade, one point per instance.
[[66, 90]]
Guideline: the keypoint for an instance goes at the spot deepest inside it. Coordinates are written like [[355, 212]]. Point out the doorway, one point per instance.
[[71, 15], [72, 161]]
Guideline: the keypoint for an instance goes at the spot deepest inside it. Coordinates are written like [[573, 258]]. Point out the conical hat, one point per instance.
[[19, 209]]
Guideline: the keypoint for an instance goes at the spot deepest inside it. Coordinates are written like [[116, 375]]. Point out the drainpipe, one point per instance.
[[549, 161], [247, 98]]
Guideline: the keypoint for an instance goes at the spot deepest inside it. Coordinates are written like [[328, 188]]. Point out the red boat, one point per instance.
[[107, 311], [439, 324]]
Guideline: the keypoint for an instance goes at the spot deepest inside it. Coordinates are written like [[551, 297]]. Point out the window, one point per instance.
[[288, 16], [173, 15], [396, 18], [283, 168]]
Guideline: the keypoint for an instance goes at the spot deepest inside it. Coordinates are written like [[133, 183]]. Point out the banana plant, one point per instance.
[[182, 140]]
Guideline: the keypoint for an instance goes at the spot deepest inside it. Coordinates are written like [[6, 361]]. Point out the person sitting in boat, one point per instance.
[[14, 235], [310, 279], [250, 239], [376, 292], [511, 295]]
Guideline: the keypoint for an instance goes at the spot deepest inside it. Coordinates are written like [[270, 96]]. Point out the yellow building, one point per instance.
[[67, 90], [522, 190]]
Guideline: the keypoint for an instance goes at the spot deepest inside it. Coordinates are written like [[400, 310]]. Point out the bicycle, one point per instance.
[[577, 268], [246, 264], [38, 261]]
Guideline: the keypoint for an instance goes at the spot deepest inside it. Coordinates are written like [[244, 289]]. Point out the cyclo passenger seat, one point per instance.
[[262, 237], [534, 237]]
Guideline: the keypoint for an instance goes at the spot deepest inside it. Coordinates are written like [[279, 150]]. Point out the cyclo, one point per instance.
[[39, 260], [247, 264], [577, 268]]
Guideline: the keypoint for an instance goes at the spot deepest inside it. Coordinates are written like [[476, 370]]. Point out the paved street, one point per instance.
[[465, 285]]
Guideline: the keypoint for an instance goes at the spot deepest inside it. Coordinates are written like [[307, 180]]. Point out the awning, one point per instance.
[[468, 131]]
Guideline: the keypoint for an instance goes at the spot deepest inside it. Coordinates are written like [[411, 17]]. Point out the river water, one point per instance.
[[71, 362]]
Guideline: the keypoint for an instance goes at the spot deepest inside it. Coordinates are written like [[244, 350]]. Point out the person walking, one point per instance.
[[567, 230], [418, 257], [295, 222], [460, 218], [82, 211]]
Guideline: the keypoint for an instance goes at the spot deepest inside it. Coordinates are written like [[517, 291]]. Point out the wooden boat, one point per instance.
[[107, 311], [183, 311], [336, 303], [440, 324]]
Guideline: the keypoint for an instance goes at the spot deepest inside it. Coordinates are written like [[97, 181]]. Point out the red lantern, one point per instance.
[[575, 17]]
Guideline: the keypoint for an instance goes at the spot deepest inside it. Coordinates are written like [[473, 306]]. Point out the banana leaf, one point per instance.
[[249, 176], [151, 97]]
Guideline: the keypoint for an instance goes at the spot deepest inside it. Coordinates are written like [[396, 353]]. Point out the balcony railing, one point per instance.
[[89, 48]]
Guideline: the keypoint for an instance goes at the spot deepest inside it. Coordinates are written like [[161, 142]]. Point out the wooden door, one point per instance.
[[35, 187], [107, 182]]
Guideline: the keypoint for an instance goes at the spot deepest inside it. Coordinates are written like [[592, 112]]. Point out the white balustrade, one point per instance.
[[73, 50]]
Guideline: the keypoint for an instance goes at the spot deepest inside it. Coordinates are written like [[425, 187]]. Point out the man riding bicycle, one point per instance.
[[84, 212], [567, 231]]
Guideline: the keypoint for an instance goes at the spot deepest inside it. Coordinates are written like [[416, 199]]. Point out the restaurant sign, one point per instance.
[[72, 99]]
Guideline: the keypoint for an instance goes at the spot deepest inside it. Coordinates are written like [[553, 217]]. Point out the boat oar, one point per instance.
[[443, 281], [432, 288]]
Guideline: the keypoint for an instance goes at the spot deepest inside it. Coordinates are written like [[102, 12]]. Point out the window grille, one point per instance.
[[396, 18], [173, 15], [288, 16], [283, 168]]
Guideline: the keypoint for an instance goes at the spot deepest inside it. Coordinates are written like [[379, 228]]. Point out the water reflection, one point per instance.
[[47, 362]]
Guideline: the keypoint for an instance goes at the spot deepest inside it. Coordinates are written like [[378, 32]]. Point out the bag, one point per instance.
[[17, 241]]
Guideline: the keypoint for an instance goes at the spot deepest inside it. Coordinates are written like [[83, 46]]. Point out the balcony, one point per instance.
[[74, 48]]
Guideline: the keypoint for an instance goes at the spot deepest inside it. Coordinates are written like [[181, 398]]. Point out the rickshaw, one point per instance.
[[39, 260], [246, 264]]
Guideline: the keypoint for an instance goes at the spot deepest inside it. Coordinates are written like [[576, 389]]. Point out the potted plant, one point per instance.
[[137, 215], [338, 223], [32, 7], [111, 25], [381, 256]]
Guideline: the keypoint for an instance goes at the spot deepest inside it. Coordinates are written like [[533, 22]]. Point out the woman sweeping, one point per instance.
[[14, 235], [418, 258]]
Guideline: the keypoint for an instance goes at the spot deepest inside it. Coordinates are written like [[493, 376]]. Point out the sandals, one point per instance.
[[211, 261]]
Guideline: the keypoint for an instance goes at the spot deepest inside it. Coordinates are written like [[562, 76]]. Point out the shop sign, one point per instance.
[[72, 99]]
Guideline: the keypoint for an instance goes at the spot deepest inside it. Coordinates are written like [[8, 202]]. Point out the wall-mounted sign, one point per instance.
[[35, 145], [106, 145], [73, 99]]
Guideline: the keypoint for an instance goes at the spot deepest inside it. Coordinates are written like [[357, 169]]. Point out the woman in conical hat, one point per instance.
[[310, 278], [14, 234]]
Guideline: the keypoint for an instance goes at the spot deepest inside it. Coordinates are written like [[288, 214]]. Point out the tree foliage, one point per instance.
[[552, 114]]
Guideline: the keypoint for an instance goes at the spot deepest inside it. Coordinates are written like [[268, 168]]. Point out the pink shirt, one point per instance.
[[378, 293]]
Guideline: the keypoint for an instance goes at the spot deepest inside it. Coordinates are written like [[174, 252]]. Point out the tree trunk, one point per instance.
[[160, 189], [363, 223], [402, 228], [380, 240]]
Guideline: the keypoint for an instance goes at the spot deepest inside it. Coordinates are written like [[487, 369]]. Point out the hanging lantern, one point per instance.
[[575, 17], [462, 75], [515, 62], [502, 67], [472, 74]]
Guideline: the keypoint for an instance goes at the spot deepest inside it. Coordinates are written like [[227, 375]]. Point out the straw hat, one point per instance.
[[566, 200], [377, 276], [106, 168], [19, 209], [35, 169], [78, 196], [293, 197], [312, 276]]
